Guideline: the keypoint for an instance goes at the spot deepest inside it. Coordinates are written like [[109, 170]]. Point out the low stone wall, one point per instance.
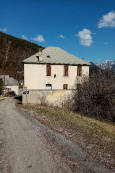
[[48, 97]]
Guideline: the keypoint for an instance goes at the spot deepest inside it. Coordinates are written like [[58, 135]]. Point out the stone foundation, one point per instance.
[[47, 97]]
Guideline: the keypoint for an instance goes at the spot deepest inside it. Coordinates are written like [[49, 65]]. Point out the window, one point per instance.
[[48, 86], [37, 58], [48, 70], [65, 86], [65, 70], [79, 70]]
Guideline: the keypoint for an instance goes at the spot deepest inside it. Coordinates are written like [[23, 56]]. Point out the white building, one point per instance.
[[10, 84], [50, 71]]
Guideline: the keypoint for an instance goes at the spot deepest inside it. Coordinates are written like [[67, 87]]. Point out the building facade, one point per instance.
[[54, 77], [51, 70]]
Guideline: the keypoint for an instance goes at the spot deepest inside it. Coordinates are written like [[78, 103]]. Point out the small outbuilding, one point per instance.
[[10, 84]]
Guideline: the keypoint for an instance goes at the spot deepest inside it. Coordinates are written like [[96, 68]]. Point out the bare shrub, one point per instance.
[[67, 103], [43, 101], [94, 97]]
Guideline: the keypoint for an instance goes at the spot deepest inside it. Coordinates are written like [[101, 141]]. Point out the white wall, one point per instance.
[[35, 76]]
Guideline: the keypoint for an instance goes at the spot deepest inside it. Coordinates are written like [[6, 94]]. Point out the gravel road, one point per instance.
[[28, 146]]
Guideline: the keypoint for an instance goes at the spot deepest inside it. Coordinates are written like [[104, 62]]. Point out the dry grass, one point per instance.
[[1, 98], [83, 130]]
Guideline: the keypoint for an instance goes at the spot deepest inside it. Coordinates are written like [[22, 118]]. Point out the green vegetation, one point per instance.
[[85, 130], [12, 52]]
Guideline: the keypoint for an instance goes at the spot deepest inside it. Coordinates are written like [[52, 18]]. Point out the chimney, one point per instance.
[[40, 55]]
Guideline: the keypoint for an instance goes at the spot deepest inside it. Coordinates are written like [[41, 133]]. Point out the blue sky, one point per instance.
[[85, 28]]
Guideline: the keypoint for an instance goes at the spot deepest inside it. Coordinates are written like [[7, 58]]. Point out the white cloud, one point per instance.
[[62, 36], [85, 37], [3, 29], [107, 20], [24, 37], [39, 38]]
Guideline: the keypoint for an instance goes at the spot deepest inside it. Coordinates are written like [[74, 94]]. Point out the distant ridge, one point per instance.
[[12, 51], [107, 65]]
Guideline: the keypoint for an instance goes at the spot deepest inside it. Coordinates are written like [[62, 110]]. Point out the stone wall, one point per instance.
[[47, 97]]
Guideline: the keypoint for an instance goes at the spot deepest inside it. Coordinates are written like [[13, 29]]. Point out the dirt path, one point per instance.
[[28, 146]]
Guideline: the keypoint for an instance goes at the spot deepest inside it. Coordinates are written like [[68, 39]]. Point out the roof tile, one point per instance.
[[57, 56]]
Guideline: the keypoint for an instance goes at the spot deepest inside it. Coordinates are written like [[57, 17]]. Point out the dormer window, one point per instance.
[[48, 56], [37, 58]]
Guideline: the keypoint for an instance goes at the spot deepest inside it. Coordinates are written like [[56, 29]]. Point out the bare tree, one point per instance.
[[94, 97], [1, 86]]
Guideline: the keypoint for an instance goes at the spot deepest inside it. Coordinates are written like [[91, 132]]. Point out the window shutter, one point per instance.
[[48, 70], [79, 70], [65, 70], [65, 86]]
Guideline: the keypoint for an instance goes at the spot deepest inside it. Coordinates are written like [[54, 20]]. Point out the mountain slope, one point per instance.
[[94, 69], [107, 65], [12, 51]]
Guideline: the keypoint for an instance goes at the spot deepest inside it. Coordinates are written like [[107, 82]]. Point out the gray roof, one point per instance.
[[11, 82], [57, 56]]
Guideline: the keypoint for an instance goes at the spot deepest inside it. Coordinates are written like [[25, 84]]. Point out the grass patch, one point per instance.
[[82, 129]]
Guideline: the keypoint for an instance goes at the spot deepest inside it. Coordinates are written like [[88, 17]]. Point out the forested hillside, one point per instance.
[[12, 51]]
